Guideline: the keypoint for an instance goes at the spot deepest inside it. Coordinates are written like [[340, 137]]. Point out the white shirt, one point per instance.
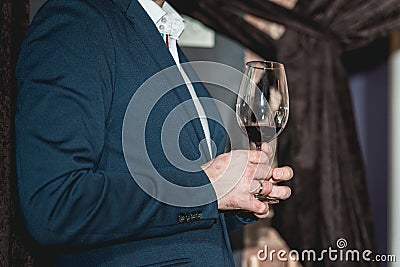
[[171, 25]]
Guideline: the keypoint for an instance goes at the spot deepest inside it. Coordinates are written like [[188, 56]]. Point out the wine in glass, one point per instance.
[[262, 106]]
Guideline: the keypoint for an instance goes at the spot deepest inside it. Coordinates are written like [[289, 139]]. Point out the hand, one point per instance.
[[235, 177]]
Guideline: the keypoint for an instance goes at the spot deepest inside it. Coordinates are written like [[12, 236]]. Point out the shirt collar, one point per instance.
[[153, 10], [166, 19]]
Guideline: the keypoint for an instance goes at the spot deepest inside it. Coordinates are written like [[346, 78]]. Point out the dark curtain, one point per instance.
[[330, 198], [14, 20]]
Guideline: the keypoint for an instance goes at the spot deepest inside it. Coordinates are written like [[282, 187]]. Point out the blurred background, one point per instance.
[[342, 60]]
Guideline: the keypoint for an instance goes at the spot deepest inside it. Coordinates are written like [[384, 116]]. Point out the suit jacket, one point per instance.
[[80, 64]]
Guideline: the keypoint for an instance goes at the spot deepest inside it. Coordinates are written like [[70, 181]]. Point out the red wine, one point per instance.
[[259, 134]]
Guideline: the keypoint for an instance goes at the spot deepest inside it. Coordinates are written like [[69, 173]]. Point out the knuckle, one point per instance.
[[255, 155], [255, 206], [260, 208], [263, 208], [267, 187]]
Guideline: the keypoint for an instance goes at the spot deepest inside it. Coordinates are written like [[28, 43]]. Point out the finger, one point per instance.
[[263, 213], [267, 149], [253, 146], [262, 171], [262, 216], [258, 207], [262, 187], [258, 157], [280, 192], [282, 174], [266, 187]]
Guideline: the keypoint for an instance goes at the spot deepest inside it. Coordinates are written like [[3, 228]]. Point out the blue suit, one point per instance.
[[80, 64]]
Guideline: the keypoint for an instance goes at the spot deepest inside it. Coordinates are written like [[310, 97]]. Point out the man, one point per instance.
[[80, 65]]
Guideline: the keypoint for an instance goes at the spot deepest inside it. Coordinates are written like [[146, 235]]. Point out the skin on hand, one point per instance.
[[159, 2], [236, 176]]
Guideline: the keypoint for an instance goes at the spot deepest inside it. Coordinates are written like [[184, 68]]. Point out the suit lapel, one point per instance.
[[156, 48], [201, 91], [149, 35], [217, 130]]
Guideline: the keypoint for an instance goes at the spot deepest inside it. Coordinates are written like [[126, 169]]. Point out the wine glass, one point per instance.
[[262, 106]]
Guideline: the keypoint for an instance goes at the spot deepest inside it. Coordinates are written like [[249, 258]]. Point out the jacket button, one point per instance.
[[188, 217], [181, 218], [198, 216]]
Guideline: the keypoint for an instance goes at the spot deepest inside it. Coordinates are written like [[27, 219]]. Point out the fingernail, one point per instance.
[[278, 173]]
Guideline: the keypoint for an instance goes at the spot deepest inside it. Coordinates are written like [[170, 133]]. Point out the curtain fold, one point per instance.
[[14, 19], [330, 198]]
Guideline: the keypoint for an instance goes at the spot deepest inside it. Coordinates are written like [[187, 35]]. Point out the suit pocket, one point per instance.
[[184, 262]]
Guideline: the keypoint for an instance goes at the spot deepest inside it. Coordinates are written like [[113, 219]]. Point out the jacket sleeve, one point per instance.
[[65, 79], [235, 221]]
